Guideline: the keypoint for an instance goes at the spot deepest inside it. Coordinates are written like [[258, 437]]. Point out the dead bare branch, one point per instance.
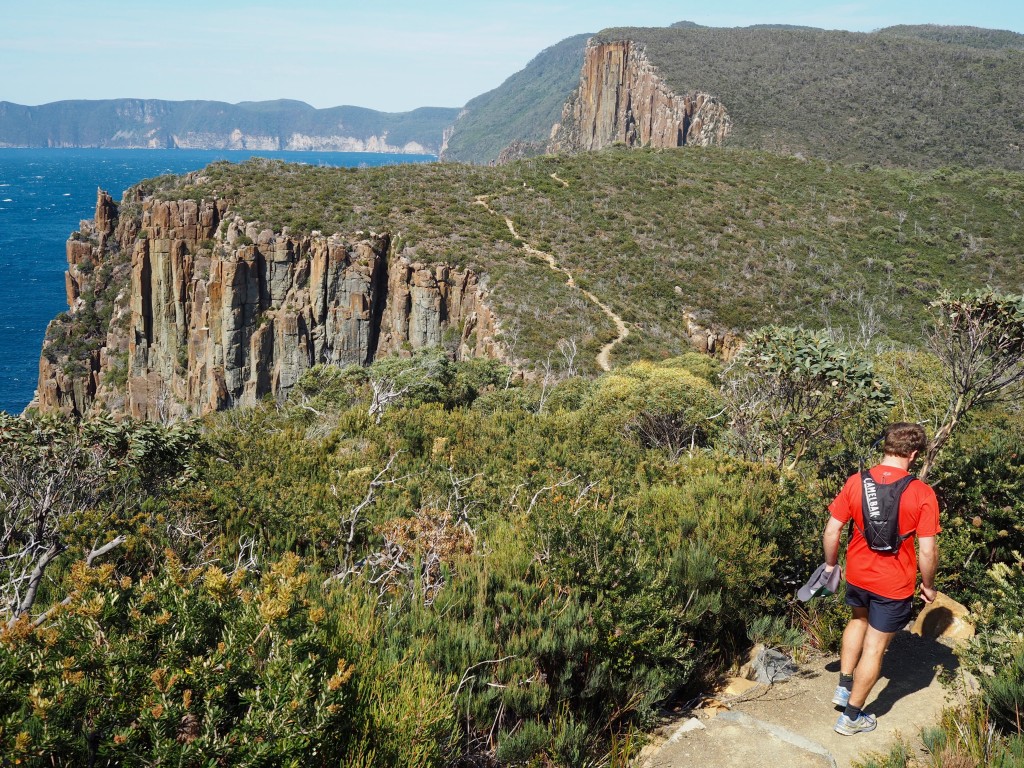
[[466, 676], [98, 552], [547, 488]]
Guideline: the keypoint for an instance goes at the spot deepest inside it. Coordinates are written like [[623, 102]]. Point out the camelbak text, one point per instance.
[[871, 498]]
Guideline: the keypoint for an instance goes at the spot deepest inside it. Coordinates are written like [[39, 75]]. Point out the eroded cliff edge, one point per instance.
[[621, 98], [179, 308]]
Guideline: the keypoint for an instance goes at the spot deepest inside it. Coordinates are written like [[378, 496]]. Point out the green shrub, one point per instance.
[[823, 621], [1003, 692], [966, 736], [898, 756], [662, 405], [520, 746], [980, 483], [571, 394], [792, 389], [330, 386], [117, 373], [513, 399], [189, 665]]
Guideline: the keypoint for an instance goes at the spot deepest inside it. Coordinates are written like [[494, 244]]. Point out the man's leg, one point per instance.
[[874, 643], [853, 641], [885, 617]]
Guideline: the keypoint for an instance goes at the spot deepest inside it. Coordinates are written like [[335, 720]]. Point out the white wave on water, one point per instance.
[[8, 200], [67, 194]]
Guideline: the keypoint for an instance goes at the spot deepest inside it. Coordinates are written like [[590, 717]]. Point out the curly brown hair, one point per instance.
[[903, 438]]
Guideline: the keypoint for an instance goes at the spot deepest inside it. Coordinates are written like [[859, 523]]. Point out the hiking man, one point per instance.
[[880, 584]]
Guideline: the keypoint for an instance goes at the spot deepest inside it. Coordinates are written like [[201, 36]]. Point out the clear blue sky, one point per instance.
[[391, 56]]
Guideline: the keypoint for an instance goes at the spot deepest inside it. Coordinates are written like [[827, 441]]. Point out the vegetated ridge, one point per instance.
[[686, 246], [973, 37], [264, 125], [520, 111], [881, 97], [919, 96]]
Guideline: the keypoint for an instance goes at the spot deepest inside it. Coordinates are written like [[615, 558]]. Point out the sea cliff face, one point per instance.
[[622, 99], [213, 311], [298, 142], [238, 140], [269, 125]]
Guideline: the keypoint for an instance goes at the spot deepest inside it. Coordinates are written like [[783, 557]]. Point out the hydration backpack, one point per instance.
[[880, 508]]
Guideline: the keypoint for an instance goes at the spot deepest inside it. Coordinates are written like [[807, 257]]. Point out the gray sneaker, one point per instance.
[[862, 724], [841, 697]]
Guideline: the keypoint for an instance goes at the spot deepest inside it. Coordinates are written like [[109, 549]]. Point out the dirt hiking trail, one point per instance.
[[789, 724], [604, 356]]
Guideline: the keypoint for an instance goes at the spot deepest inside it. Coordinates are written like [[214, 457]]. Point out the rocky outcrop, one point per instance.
[[717, 341], [520, 150], [215, 311], [944, 619], [622, 99]]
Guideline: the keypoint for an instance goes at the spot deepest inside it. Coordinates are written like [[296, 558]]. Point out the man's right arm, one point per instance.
[[927, 562], [830, 542]]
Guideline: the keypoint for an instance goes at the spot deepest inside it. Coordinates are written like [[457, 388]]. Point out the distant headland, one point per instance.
[[262, 125]]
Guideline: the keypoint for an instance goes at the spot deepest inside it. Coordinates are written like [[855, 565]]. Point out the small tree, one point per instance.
[[662, 405], [790, 388], [393, 378], [979, 337], [53, 471], [48, 475]]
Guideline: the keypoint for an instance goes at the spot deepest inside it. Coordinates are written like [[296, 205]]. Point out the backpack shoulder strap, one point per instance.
[[866, 480], [901, 485]]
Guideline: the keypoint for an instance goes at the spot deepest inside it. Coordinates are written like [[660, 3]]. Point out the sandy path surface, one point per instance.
[[604, 356], [790, 723]]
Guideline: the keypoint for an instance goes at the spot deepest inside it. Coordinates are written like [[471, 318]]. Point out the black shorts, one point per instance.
[[884, 613]]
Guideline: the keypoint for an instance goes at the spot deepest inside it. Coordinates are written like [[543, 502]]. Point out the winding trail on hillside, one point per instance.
[[604, 356]]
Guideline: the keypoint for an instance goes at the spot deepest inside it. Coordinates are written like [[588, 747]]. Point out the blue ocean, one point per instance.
[[44, 193]]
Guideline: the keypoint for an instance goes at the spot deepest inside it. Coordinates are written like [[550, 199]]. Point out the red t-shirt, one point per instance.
[[893, 576]]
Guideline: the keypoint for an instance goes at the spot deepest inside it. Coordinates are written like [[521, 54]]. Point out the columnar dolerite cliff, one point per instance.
[[218, 311], [622, 98]]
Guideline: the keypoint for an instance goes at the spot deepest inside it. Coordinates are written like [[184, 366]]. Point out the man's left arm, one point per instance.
[[927, 547], [927, 563]]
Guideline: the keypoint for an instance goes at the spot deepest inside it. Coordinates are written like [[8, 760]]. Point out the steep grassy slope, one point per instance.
[[897, 97], [523, 108], [743, 238]]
